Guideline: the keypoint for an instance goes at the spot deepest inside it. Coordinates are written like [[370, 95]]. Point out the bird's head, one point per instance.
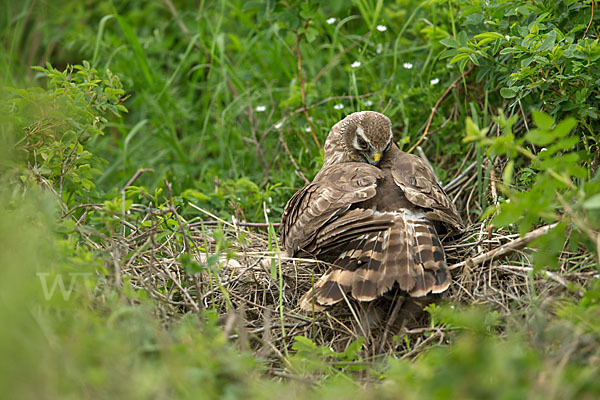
[[367, 135]]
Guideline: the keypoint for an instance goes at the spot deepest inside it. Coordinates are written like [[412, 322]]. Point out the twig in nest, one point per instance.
[[390, 322], [454, 182], [436, 106], [505, 248], [549, 274], [438, 333]]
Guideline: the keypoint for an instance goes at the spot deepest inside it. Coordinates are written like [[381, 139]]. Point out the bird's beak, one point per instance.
[[376, 159]]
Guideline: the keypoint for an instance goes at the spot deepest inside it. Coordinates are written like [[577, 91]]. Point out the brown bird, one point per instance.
[[370, 212]]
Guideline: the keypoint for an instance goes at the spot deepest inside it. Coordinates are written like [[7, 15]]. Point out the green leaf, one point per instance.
[[473, 131], [548, 43], [593, 203], [507, 174], [542, 120], [508, 93], [564, 127], [489, 35], [450, 42], [538, 137], [463, 39], [459, 57]]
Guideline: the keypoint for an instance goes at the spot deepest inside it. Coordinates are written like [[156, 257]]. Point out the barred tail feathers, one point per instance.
[[407, 253]]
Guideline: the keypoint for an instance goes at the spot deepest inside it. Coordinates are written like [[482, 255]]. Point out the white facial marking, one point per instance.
[[355, 143], [361, 132]]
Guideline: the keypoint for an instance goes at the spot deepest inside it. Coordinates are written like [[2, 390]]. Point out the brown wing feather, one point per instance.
[[420, 186], [322, 201]]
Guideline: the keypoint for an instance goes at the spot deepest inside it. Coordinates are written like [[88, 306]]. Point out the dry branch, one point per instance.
[[437, 105], [507, 248]]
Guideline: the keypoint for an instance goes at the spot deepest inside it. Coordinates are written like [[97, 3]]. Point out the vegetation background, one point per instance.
[[224, 106]]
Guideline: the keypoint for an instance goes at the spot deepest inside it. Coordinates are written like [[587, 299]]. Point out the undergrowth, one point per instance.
[[146, 146]]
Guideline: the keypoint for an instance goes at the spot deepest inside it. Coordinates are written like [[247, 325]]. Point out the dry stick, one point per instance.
[[421, 345], [505, 248], [437, 104], [455, 181], [181, 289], [549, 274], [301, 83], [390, 322], [591, 19], [202, 210], [290, 315], [182, 26], [296, 166], [136, 176], [129, 183], [462, 164]]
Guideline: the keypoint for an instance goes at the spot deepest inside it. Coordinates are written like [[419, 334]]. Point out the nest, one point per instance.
[[226, 267]]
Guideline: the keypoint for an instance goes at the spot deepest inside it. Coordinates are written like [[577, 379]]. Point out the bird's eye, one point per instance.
[[362, 144]]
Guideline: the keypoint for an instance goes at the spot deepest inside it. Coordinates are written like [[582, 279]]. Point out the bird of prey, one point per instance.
[[371, 212]]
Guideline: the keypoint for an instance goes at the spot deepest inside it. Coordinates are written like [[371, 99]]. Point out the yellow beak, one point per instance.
[[377, 157]]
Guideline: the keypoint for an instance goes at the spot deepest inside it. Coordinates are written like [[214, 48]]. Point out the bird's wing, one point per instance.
[[420, 186], [315, 218]]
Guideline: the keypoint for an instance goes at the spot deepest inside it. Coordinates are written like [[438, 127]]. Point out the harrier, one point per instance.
[[371, 212]]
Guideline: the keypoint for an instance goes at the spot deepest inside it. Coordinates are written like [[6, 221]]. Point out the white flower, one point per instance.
[[543, 149], [331, 20], [307, 129], [355, 64], [278, 125], [507, 37], [268, 210], [379, 48], [407, 65], [338, 106], [434, 81], [260, 108], [368, 103], [381, 28]]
